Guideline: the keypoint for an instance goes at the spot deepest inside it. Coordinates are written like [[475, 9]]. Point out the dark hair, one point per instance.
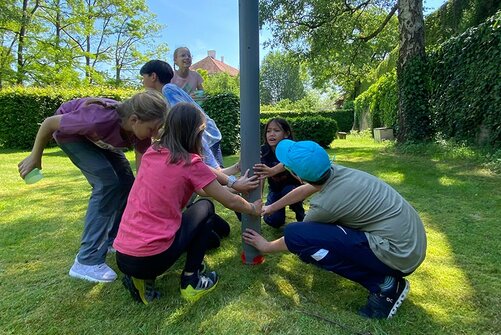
[[162, 69], [182, 132], [283, 124], [322, 179]]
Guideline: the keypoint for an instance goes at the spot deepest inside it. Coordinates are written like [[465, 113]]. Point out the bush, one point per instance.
[[343, 117], [224, 108], [23, 109], [314, 128]]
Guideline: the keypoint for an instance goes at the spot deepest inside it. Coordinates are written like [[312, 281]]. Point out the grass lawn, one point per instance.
[[457, 290]]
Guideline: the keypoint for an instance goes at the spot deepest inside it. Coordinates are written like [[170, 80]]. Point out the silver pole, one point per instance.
[[249, 110]]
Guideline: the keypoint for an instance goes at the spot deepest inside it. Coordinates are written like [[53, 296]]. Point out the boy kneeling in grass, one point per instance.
[[357, 226]]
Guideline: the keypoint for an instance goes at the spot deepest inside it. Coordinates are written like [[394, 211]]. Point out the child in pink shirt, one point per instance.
[[154, 230]]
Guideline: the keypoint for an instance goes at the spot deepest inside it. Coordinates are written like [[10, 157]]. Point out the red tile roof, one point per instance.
[[212, 65]]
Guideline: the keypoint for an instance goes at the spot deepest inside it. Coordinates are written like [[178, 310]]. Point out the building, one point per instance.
[[213, 66]]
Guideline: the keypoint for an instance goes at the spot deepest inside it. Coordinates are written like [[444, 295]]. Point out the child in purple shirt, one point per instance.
[[93, 132]]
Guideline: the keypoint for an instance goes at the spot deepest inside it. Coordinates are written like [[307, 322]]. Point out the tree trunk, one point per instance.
[[411, 73]]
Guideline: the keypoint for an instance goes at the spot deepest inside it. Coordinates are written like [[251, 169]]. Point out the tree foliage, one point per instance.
[[280, 78], [75, 42], [337, 39]]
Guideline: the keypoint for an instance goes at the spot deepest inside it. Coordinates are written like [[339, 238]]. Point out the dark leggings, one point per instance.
[[190, 238]]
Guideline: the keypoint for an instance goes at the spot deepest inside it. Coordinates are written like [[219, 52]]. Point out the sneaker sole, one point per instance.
[[200, 293], [91, 279], [400, 299]]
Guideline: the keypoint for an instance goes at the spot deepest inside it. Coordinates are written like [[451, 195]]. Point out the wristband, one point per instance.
[[231, 181]]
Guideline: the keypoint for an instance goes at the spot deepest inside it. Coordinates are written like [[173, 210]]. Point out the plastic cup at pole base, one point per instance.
[[34, 176], [259, 259]]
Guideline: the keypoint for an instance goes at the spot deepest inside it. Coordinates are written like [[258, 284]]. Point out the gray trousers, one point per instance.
[[110, 175]]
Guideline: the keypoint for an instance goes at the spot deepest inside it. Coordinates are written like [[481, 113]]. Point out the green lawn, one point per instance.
[[457, 290]]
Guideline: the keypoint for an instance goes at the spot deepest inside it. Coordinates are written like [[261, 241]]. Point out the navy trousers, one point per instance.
[[277, 219], [338, 249]]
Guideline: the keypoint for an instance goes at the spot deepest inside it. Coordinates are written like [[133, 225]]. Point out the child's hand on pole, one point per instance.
[[244, 184], [267, 210], [263, 171]]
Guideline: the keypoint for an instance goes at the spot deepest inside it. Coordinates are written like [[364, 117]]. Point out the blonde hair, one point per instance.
[[175, 55], [149, 105]]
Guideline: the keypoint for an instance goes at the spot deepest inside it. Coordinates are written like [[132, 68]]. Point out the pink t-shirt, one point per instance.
[[188, 84], [98, 124], [154, 207]]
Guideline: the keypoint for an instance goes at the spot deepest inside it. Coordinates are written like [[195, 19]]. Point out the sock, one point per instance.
[[187, 280]]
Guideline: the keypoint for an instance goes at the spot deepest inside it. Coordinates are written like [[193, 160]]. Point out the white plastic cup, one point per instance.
[[34, 176]]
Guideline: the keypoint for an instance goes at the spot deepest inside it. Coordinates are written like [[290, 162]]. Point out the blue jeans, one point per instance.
[[110, 175], [218, 153], [277, 219], [338, 249]]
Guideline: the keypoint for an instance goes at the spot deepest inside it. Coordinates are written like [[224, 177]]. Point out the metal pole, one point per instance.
[[249, 111]]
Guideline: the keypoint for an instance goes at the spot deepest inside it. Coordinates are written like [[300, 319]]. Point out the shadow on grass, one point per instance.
[[460, 201]]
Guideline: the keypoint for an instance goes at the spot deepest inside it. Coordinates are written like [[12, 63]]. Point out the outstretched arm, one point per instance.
[[253, 238], [232, 201], [244, 184], [34, 159], [298, 194], [264, 171]]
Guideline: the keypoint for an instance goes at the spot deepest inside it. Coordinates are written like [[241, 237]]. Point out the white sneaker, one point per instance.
[[100, 273]]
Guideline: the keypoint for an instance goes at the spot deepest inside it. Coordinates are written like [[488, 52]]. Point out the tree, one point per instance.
[[280, 78], [57, 41], [341, 40], [220, 82]]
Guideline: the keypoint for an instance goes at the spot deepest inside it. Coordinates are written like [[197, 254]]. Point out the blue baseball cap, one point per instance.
[[308, 160]]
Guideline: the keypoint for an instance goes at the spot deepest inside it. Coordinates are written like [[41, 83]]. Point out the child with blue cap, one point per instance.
[[357, 226]]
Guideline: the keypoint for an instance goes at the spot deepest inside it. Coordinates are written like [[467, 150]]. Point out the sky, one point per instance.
[[203, 25]]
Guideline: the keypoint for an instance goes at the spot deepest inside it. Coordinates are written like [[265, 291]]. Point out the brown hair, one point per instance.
[[182, 132]]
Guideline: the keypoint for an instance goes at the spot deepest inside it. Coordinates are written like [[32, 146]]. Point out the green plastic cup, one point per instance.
[[199, 94], [34, 176]]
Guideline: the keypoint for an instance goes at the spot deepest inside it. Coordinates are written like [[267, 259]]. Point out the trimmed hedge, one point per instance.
[[315, 128], [23, 109], [343, 117], [224, 109]]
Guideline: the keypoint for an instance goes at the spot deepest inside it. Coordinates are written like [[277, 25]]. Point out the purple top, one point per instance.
[[96, 123]]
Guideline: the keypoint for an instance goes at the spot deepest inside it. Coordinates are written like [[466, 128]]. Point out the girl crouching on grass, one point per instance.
[[92, 132], [154, 230]]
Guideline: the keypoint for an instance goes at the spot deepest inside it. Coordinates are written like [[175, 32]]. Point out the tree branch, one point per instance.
[[381, 27]]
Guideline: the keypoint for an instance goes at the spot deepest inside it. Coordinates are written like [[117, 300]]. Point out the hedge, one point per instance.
[[311, 127], [343, 117], [224, 109], [23, 109]]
